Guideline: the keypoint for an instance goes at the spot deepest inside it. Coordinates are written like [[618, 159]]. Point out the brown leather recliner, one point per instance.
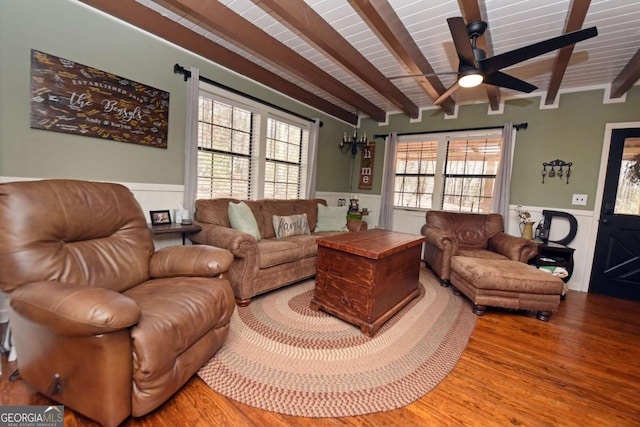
[[102, 323], [467, 234]]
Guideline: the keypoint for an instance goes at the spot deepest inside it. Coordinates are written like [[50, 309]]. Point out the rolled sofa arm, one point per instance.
[[205, 261], [514, 248], [71, 309], [357, 224], [236, 242]]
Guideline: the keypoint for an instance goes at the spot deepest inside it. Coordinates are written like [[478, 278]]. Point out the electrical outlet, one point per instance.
[[579, 199]]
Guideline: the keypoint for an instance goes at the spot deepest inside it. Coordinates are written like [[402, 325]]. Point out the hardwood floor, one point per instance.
[[580, 369]]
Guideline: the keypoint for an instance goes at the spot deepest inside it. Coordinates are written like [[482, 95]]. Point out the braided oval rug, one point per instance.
[[281, 356]]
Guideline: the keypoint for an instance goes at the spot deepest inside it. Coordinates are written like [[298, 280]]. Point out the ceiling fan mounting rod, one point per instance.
[[476, 29]]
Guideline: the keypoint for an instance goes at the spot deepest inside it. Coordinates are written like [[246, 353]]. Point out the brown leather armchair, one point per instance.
[[102, 323], [474, 235]]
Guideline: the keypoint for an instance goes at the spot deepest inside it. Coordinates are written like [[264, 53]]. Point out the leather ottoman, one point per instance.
[[506, 284]]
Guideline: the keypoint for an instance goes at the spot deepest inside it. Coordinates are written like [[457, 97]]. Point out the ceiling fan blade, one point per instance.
[[505, 80], [461, 41], [421, 75], [503, 60], [454, 87]]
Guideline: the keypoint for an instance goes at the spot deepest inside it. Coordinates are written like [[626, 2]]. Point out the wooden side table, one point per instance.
[[174, 228]]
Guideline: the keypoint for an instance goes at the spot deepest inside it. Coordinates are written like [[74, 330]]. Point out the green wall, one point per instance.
[[73, 31], [573, 132]]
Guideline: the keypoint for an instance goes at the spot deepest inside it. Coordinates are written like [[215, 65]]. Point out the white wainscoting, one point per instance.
[[408, 220], [154, 197], [559, 229]]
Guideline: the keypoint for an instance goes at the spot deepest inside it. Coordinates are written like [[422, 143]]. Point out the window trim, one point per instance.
[[442, 139], [261, 112]]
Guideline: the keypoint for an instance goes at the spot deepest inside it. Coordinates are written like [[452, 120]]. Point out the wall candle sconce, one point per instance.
[[352, 143], [557, 163]]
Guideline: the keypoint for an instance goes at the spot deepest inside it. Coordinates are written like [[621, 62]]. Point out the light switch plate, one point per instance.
[[579, 199]]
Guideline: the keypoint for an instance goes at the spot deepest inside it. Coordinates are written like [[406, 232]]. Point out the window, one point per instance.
[[283, 160], [224, 150], [628, 194], [454, 172], [415, 173], [247, 152]]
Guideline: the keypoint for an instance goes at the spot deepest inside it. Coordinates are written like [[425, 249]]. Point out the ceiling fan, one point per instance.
[[475, 68]]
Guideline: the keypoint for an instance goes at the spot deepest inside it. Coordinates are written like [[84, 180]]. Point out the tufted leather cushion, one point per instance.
[[471, 230], [53, 223]]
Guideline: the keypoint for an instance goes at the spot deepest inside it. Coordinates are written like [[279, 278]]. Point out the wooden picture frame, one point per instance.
[[160, 217]]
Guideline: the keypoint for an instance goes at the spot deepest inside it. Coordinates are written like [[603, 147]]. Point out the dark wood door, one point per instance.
[[616, 263]]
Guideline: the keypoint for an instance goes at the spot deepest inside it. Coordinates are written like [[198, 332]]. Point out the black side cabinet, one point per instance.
[[554, 254]]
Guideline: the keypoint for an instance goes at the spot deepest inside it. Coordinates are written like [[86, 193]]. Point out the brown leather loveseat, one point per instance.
[[265, 263], [472, 235], [102, 323]]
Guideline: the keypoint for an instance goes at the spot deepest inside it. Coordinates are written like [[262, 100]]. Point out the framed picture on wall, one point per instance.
[[160, 217], [70, 97]]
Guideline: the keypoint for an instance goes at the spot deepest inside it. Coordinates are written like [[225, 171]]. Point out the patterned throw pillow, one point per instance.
[[293, 225]]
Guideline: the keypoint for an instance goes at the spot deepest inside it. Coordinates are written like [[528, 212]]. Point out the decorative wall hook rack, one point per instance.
[[560, 173]]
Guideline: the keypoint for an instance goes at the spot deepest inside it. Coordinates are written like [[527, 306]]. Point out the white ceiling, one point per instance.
[[512, 24]]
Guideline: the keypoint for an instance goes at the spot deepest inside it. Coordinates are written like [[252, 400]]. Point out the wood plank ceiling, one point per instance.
[[337, 56]]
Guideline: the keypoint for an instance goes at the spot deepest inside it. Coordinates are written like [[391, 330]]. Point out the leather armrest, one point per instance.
[[357, 224], [207, 261], [236, 242], [439, 238], [71, 309], [439, 247], [514, 248]]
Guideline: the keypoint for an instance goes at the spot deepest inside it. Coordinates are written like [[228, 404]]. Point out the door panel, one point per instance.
[[616, 263]]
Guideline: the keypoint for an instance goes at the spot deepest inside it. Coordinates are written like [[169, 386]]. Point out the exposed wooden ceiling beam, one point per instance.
[[384, 21], [303, 20], [575, 19], [627, 77], [138, 15], [224, 22], [471, 13]]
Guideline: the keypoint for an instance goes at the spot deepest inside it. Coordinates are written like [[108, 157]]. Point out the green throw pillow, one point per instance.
[[242, 219], [331, 218], [294, 225]]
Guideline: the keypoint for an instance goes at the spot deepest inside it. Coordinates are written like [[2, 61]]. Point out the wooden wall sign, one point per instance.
[[74, 98], [366, 166]]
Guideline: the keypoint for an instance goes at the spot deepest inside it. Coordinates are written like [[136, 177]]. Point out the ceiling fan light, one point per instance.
[[470, 80]]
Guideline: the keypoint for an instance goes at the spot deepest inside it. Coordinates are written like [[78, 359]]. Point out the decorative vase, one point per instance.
[[527, 230]]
